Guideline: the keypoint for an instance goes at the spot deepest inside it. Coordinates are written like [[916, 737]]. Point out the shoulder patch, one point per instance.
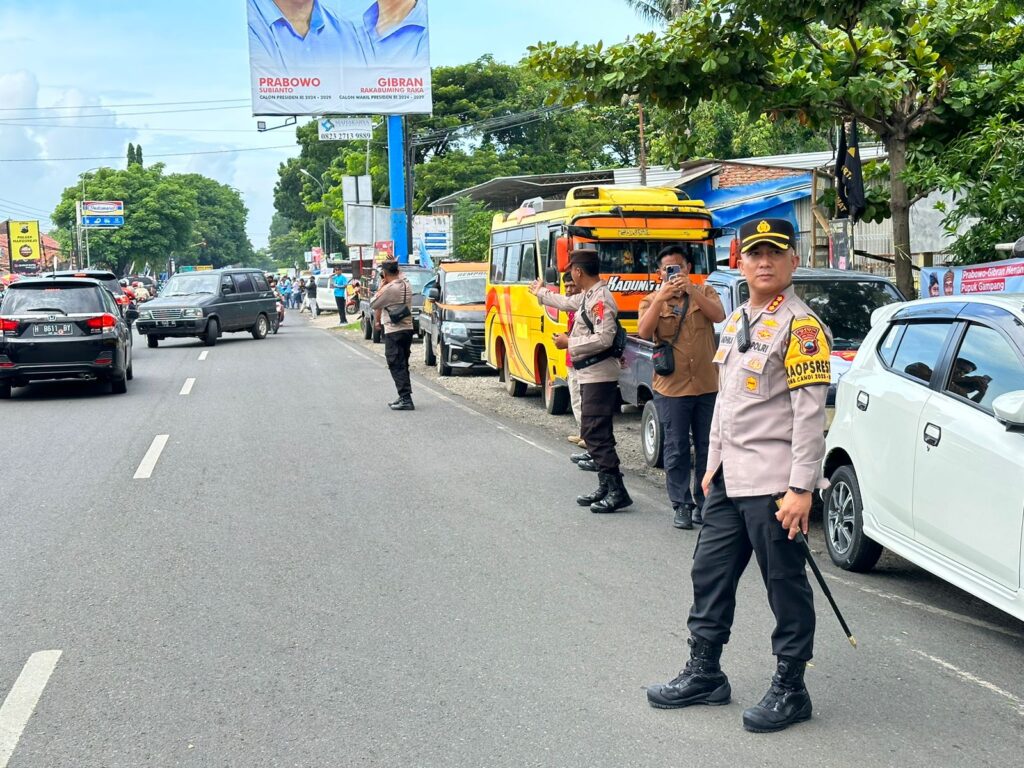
[[807, 357], [598, 311]]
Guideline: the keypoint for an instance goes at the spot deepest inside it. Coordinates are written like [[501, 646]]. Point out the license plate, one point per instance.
[[54, 329], [165, 323]]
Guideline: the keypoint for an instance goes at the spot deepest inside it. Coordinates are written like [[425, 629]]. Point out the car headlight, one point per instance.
[[145, 314], [455, 330], [192, 312]]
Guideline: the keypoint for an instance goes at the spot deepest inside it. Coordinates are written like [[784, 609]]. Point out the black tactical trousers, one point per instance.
[[340, 301], [599, 402], [733, 528], [397, 348]]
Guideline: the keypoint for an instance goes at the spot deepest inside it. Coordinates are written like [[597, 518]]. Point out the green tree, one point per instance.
[[220, 223], [471, 230], [131, 154], [138, 154], [916, 72], [659, 11]]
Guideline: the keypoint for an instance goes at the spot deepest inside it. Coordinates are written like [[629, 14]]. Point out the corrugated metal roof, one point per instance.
[[809, 160]]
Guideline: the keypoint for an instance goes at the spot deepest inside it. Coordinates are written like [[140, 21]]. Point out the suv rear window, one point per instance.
[[67, 299]]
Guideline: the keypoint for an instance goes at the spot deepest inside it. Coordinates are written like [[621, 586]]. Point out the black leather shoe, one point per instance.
[[616, 499], [787, 701], [600, 493], [402, 405], [701, 681], [683, 519], [576, 458], [587, 465], [696, 515]]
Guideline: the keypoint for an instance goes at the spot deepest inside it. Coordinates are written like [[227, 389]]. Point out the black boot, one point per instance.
[[683, 519], [696, 515], [616, 499], [405, 404], [701, 681], [786, 702], [576, 458], [587, 465], [600, 493]]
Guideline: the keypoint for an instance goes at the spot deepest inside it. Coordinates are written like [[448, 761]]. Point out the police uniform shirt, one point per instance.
[[768, 427], [601, 310], [394, 296]]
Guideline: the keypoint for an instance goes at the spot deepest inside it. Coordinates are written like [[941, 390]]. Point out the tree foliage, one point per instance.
[[165, 215], [471, 230], [915, 72]]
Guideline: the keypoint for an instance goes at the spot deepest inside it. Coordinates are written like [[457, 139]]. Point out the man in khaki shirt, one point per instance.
[[590, 341], [392, 307], [683, 314], [767, 444]]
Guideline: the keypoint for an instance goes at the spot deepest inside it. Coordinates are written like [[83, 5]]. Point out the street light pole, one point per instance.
[[323, 193], [85, 230]]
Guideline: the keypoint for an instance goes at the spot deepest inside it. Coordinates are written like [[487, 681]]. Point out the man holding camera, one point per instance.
[[590, 343], [682, 315], [392, 307]]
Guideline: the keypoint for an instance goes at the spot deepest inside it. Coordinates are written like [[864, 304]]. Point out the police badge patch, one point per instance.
[[807, 357]]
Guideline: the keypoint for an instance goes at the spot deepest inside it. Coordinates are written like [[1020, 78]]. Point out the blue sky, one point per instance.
[[94, 58]]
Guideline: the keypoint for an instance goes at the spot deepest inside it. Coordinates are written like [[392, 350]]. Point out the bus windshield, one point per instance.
[[641, 256]]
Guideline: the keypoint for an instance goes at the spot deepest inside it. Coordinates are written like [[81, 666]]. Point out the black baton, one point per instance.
[[802, 540]]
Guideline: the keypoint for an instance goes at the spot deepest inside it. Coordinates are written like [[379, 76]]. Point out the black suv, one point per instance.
[[207, 304]]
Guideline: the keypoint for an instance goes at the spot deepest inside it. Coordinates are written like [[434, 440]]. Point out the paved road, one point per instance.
[[308, 579]]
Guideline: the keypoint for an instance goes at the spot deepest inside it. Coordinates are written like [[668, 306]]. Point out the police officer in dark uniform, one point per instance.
[[589, 343], [767, 443]]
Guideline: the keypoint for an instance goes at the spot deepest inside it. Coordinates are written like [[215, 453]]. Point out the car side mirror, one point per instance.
[[434, 294], [1009, 410], [131, 314], [551, 276]]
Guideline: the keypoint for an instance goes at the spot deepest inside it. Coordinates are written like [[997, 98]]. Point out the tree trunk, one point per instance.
[[900, 207]]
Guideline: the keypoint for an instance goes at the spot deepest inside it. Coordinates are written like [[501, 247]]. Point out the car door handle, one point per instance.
[[932, 434], [862, 401]]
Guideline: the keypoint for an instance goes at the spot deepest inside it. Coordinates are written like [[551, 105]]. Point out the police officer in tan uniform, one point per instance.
[[589, 343], [767, 444]]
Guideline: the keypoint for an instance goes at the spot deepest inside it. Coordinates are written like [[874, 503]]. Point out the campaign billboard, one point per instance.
[[25, 247], [344, 57], [993, 277]]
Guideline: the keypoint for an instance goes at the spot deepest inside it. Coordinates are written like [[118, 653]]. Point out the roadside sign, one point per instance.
[[204, 267], [25, 247], [345, 129], [188, 268], [101, 214]]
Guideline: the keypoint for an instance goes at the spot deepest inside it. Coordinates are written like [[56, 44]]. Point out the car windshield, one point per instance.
[[465, 288], [845, 306], [58, 299], [417, 279], [188, 284]]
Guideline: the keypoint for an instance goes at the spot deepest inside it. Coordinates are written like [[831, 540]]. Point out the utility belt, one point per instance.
[[616, 350]]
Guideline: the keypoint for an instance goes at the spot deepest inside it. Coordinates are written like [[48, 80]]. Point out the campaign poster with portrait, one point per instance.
[[339, 57], [993, 277]]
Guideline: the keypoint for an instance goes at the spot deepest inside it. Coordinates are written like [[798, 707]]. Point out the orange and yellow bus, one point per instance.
[[627, 226]]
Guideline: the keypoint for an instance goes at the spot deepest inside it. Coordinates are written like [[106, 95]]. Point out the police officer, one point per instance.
[[589, 343], [767, 443]]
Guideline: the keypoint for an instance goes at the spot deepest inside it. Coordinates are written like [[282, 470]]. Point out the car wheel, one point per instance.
[[212, 332], [513, 387], [367, 328], [847, 544], [120, 385], [652, 437], [130, 373], [556, 398], [152, 342], [429, 358], [378, 335], [261, 328], [443, 369], [5, 391]]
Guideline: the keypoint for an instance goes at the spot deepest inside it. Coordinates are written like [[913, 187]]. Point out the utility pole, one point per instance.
[[643, 149]]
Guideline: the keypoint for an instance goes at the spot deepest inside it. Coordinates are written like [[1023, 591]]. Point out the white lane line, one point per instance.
[[21, 701], [980, 623], [968, 677], [145, 470], [204, 355], [186, 388]]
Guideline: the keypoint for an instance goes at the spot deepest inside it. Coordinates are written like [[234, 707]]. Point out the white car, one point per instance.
[[926, 452]]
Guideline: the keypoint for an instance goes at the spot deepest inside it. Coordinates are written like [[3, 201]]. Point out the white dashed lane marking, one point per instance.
[[186, 388], [22, 699], [203, 355], [145, 470]]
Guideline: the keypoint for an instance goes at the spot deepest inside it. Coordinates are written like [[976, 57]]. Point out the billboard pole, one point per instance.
[[396, 180]]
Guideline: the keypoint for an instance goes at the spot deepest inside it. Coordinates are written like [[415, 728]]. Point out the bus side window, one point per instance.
[[512, 256], [528, 270], [498, 264]]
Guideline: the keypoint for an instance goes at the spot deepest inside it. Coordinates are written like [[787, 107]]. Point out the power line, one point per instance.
[[148, 156], [22, 205], [127, 106], [3, 122], [13, 120]]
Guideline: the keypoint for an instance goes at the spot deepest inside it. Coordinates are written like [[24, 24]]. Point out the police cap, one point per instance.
[[777, 232], [583, 258]]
